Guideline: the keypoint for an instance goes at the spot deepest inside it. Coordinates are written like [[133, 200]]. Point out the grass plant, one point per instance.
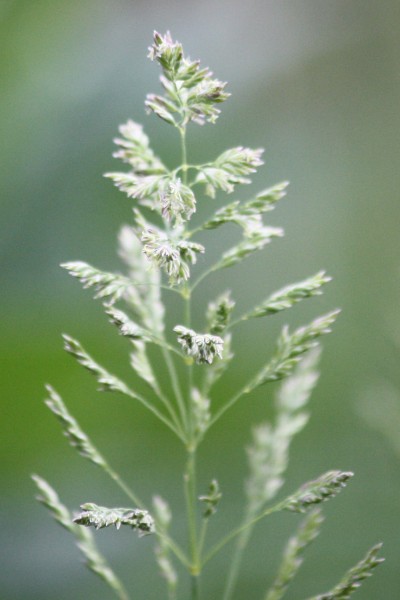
[[160, 251]]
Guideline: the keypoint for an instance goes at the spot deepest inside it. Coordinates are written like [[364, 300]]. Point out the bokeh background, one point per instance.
[[315, 83]]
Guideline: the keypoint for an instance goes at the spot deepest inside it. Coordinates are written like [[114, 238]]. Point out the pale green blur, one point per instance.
[[315, 83]]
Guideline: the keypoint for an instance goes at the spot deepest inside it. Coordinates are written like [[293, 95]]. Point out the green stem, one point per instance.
[[177, 390], [120, 591], [184, 166], [191, 498], [187, 320], [205, 274], [139, 504], [235, 322], [156, 412], [176, 549], [124, 486], [237, 558], [167, 403], [229, 404], [219, 545], [190, 472], [202, 538], [162, 343], [168, 288], [195, 588]]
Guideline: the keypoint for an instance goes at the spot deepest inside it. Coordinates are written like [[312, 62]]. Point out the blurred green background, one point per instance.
[[315, 83]]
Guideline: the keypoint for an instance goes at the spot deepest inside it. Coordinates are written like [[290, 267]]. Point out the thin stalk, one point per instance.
[[177, 389], [192, 232], [190, 472], [124, 486], [98, 564], [162, 286], [235, 322], [184, 166], [117, 586], [165, 347], [189, 477], [155, 411], [237, 558], [202, 537], [195, 588], [171, 591], [121, 593], [167, 403], [176, 549], [191, 498], [139, 504], [219, 545], [162, 343], [187, 320], [245, 390], [205, 274]]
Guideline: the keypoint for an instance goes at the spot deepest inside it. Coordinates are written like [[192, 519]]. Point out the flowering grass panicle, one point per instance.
[[159, 249]]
